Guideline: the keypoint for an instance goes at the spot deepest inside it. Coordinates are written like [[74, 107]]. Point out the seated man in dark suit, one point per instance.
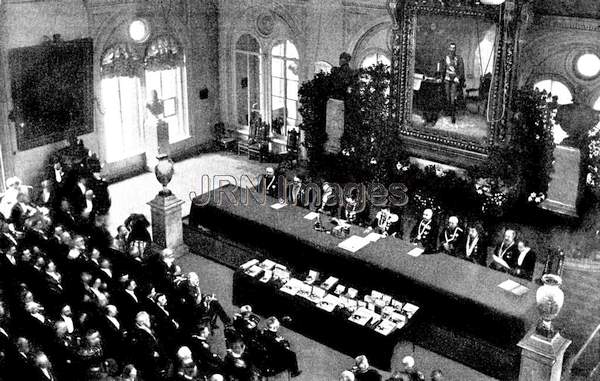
[[238, 365], [147, 351], [21, 211], [474, 247], [268, 183], [208, 361], [363, 371], [451, 237], [425, 233], [295, 193], [42, 370], [505, 253], [525, 262], [278, 348], [386, 223]]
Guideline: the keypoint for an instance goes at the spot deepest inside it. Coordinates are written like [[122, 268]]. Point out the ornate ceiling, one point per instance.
[[572, 8]]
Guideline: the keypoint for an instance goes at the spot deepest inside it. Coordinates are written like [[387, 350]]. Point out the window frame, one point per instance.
[[286, 127], [368, 52], [245, 129]]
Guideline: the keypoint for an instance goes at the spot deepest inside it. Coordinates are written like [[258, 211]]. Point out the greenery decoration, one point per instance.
[[163, 53], [533, 140], [120, 60]]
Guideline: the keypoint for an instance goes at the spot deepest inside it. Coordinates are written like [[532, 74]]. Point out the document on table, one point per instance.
[[385, 327], [292, 286], [513, 287], [373, 237], [417, 251], [249, 264], [278, 205], [500, 261], [353, 244], [328, 303], [311, 216]]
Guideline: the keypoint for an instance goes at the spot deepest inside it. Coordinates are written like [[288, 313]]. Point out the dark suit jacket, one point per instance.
[[527, 267], [18, 216], [429, 237], [208, 361], [147, 351], [479, 253]]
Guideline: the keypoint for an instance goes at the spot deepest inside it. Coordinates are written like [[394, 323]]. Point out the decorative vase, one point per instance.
[[164, 171], [549, 299]]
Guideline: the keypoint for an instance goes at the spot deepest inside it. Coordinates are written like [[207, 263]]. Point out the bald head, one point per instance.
[[216, 377]]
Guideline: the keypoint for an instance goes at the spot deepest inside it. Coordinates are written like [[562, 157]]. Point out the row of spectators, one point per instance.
[[79, 304]]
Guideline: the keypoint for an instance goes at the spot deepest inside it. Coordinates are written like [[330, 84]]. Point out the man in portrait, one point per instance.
[[452, 71]]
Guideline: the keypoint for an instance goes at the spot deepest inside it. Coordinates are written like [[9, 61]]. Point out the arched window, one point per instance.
[[374, 59], [284, 87], [248, 81], [165, 74], [323, 66], [557, 89], [121, 98]]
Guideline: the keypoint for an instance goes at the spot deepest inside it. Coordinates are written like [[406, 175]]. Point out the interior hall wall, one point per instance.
[[550, 48], [320, 29], [195, 22], [25, 25]]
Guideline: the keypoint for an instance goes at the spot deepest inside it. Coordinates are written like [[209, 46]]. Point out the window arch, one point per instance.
[[556, 88], [284, 87], [596, 105], [375, 58], [121, 96], [248, 80], [165, 74]]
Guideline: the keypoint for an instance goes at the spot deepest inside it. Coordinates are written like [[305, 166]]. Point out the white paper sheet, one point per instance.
[[508, 285], [353, 244], [373, 237], [417, 251], [278, 205], [311, 216]]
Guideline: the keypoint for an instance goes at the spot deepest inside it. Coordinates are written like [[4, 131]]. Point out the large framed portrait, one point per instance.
[[450, 76]]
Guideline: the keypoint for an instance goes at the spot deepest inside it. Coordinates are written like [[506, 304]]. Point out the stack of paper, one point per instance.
[[266, 276], [354, 243], [292, 286], [329, 283], [410, 309], [328, 303], [249, 264], [254, 270], [278, 273], [385, 327], [513, 287], [361, 316], [267, 264]]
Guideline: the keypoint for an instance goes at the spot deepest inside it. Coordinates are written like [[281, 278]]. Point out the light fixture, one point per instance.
[[491, 2], [139, 30], [588, 65]]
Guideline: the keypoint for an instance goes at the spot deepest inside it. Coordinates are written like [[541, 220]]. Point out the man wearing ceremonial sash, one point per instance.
[[451, 237], [506, 253], [474, 247], [425, 232], [386, 223]]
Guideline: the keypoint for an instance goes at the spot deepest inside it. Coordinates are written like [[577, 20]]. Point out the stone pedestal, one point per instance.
[[167, 228], [542, 358]]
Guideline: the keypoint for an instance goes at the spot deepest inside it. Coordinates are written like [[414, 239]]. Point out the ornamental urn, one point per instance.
[[549, 299], [164, 171]]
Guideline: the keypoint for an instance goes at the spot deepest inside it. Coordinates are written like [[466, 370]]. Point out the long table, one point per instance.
[[470, 319]]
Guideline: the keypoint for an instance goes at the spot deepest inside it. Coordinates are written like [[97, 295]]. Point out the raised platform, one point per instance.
[[469, 319]]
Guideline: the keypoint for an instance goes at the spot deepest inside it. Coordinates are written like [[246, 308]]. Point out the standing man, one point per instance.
[[452, 70]]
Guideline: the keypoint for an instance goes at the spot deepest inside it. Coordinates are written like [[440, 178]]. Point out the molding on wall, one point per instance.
[[560, 22], [362, 4]]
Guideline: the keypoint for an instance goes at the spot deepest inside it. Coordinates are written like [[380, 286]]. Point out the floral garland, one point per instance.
[[120, 60]]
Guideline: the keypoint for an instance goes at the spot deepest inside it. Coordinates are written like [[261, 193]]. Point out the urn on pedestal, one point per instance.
[[164, 171], [549, 298]]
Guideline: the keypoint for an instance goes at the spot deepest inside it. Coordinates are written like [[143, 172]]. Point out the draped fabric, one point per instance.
[[120, 60], [163, 53]]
